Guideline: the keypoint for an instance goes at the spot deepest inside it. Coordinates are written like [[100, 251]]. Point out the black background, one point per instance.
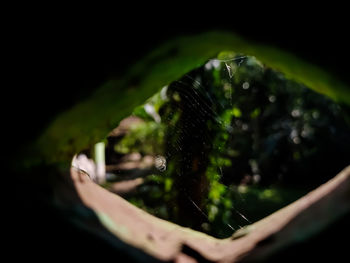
[[60, 60]]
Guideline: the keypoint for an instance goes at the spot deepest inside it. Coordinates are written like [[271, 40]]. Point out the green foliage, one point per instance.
[[242, 205], [146, 138]]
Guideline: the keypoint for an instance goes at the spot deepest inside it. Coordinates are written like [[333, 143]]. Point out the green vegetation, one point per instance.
[[241, 140], [150, 132]]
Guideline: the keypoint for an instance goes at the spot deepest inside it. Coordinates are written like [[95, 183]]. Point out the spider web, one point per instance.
[[203, 105], [220, 104]]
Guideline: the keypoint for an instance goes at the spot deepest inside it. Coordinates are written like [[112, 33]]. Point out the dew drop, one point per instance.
[[160, 163]]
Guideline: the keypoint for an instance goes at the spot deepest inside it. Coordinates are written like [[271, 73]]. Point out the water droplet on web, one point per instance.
[[245, 85], [245, 127], [296, 140], [296, 113], [160, 163], [315, 115], [272, 98]]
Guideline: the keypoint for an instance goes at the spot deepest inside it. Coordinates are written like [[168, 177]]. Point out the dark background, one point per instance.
[[58, 60]]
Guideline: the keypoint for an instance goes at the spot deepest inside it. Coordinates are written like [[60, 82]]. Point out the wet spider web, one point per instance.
[[223, 136], [204, 107]]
